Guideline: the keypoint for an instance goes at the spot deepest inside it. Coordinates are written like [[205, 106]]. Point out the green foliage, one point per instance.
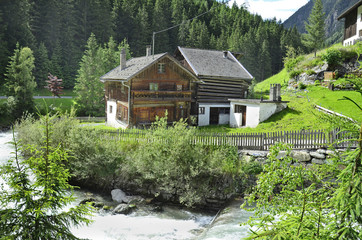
[[20, 82], [96, 61], [310, 72], [292, 58], [165, 161], [317, 83], [302, 86], [333, 57], [295, 73], [94, 160], [170, 163], [315, 36], [32, 206], [294, 201]]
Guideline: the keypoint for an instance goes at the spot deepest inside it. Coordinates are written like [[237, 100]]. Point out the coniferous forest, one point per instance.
[[57, 32]]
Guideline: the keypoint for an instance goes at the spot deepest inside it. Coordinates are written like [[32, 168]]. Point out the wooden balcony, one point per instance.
[[143, 95]]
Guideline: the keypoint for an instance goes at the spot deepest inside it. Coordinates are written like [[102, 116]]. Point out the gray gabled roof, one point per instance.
[[212, 63], [346, 12], [133, 67]]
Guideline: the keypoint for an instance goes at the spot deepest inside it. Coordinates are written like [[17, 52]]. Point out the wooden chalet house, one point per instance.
[[352, 24], [145, 87], [222, 77]]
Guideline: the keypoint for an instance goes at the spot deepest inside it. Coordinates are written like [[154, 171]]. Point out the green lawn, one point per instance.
[[46, 92], [332, 100], [60, 104], [264, 86]]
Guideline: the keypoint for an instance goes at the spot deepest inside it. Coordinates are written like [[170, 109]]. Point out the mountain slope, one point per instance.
[[332, 9]]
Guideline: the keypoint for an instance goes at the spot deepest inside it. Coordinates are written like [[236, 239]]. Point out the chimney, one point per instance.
[[272, 92], [225, 53], [148, 50], [278, 97], [122, 62]]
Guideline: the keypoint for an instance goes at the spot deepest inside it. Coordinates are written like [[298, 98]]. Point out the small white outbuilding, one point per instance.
[[250, 112]]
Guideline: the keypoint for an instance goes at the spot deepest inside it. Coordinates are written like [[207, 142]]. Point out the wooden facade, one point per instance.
[[164, 86], [350, 24]]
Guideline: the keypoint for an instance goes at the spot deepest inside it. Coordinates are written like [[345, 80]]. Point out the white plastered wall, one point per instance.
[[252, 115], [111, 116], [256, 112], [204, 119]]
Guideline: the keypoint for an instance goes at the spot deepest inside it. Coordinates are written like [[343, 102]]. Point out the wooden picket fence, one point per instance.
[[302, 139]]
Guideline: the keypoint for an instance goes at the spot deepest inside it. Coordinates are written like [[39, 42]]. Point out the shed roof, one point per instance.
[[213, 63], [345, 13]]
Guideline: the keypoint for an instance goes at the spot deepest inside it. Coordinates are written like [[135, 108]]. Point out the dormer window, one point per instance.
[[161, 68]]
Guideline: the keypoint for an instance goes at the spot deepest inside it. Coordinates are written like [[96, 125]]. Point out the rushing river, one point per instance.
[[172, 223]]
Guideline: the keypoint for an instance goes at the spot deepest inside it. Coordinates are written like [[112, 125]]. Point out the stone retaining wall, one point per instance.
[[306, 157]]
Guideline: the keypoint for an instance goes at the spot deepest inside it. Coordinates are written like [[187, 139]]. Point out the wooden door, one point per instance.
[[214, 116]]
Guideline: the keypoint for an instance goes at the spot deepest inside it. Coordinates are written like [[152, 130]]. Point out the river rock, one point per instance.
[[317, 155], [134, 200], [123, 209], [257, 153], [330, 153], [321, 151], [301, 156], [317, 161], [119, 196]]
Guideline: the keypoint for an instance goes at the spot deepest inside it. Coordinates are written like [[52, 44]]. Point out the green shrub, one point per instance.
[[310, 72], [313, 63], [347, 54], [295, 73], [333, 57], [302, 86], [317, 83]]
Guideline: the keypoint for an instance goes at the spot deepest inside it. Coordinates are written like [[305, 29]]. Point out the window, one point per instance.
[[201, 110], [153, 86], [110, 109], [161, 68], [179, 87], [240, 109], [224, 110]]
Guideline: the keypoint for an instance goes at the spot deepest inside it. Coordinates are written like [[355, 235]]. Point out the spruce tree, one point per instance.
[[42, 64], [89, 89], [32, 205], [315, 36], [20, 82]]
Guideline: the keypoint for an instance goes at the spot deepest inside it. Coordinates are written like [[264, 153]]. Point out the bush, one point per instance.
[[346, 54], [310, 72], [302, 86], [295, 73], [292, 59], [317, 83], [333, 57]]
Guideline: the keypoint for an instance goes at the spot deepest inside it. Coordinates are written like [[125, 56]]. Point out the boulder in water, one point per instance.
[[119, 196]]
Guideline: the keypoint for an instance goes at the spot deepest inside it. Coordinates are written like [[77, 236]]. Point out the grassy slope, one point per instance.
[[300, 113]]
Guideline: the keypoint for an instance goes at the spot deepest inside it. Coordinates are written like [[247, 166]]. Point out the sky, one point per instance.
[[268, 9]]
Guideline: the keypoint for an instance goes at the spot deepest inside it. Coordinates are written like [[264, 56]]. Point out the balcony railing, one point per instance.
[[161, 95]]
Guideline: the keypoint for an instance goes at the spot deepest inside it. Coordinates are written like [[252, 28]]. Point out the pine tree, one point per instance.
[[38, 191], [89, 89], [42, 65], [315, 36], [20, 82]]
